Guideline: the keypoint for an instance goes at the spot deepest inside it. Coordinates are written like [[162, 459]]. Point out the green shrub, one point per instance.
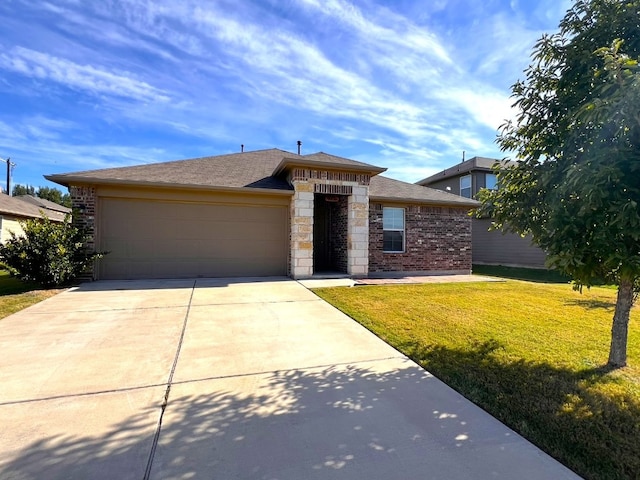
[[50, 253]]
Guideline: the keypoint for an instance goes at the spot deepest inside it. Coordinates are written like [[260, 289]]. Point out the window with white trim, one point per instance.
[[465, 186], [392, 229], [490, 181]]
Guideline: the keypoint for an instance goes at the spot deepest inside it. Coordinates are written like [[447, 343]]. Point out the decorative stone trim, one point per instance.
[[306, 174], [332, 189]]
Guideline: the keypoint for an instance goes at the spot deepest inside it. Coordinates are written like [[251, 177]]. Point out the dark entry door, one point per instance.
[[322, 258]]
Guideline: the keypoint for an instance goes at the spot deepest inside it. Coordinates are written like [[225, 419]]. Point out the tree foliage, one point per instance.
[[50, 253], [576, 187], [19, 189]]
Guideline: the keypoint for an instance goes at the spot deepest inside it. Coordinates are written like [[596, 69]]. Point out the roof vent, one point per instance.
[[299, 146], [242, 148]]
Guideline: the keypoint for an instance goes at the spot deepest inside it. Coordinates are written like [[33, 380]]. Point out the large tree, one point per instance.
[[576, 187]]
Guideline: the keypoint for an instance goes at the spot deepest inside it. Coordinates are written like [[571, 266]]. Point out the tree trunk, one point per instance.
[[619, 330]]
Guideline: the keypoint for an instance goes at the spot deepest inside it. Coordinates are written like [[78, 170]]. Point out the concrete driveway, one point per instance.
[[230, 379]]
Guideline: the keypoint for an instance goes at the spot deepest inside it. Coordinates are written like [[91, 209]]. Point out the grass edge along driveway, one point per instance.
[[530, 354], [16, 295]]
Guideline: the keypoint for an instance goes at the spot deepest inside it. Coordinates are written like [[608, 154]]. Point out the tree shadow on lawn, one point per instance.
[[559, 410], [591, 304], [337, 422]]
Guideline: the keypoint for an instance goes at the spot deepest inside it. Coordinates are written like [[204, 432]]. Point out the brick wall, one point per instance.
[[83, 202], [436, 239]]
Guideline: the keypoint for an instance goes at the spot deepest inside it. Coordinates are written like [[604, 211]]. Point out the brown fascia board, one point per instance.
[[67, 181], [288, 163], [466, 203]]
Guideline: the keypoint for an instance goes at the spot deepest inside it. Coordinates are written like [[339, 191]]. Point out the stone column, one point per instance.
[[302, 230], [358, 232]]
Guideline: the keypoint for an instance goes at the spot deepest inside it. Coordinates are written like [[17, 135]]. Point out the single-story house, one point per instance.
[[13, 210], [263, 213], [490, 247]]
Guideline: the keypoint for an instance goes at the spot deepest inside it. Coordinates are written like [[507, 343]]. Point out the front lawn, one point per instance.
[[529, 353], [16, 295]]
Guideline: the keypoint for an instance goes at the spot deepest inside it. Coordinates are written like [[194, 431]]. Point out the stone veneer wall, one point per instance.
[[436, 239], [301, 254], [358, 231], [306, 182]]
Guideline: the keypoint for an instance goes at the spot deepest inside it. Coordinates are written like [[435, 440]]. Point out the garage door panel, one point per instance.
[[156, 239]]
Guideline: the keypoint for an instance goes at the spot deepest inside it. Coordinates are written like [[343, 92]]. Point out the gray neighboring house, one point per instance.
[[267, 212], [489, 248], [13, 210]]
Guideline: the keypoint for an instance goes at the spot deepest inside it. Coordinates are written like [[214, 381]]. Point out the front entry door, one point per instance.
[[322, 258]]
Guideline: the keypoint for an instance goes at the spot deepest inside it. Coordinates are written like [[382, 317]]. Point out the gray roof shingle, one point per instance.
[[236, 170], [258, 170], [44, 203], [16, 206], [384, 188]]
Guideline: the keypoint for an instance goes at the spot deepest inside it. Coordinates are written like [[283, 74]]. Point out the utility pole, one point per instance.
[[9, 165]]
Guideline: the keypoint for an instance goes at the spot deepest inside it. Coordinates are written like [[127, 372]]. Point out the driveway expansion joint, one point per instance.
[[167, 392]]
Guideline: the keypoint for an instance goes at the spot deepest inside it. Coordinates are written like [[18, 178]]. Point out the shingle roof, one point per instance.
[[383, 188], [257, 169], [236, 170], [322, 159], [44, 203], [18, 207]]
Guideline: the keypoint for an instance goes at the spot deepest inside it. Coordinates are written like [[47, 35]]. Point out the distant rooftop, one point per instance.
[[21, 207], [482, 164]]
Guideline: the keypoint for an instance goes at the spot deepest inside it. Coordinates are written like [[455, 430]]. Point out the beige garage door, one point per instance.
[[156, 239]]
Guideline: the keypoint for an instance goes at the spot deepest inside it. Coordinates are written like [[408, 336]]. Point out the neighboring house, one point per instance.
[[44, 204], [489, 247], [13, 210], [267, 212]]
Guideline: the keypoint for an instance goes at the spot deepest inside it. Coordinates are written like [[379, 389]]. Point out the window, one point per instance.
[[490, 181], [392, 229], [465, 186]]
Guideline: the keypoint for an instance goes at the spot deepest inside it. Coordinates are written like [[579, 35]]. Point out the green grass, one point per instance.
[[531, 354], [16, 295]]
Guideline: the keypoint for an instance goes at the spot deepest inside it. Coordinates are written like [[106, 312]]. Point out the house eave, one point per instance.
[[67, 181], [420, 201]]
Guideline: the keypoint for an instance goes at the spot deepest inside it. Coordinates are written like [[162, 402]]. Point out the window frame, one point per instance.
[[401, 230], [495, 177], [470, 187]]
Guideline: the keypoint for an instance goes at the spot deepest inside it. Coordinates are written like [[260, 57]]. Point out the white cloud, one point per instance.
[[85, 78]]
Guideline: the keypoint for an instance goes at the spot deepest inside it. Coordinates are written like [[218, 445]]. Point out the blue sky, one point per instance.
[[406, 84]]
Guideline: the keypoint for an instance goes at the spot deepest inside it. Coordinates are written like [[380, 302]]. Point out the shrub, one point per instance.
[[50, 253]]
